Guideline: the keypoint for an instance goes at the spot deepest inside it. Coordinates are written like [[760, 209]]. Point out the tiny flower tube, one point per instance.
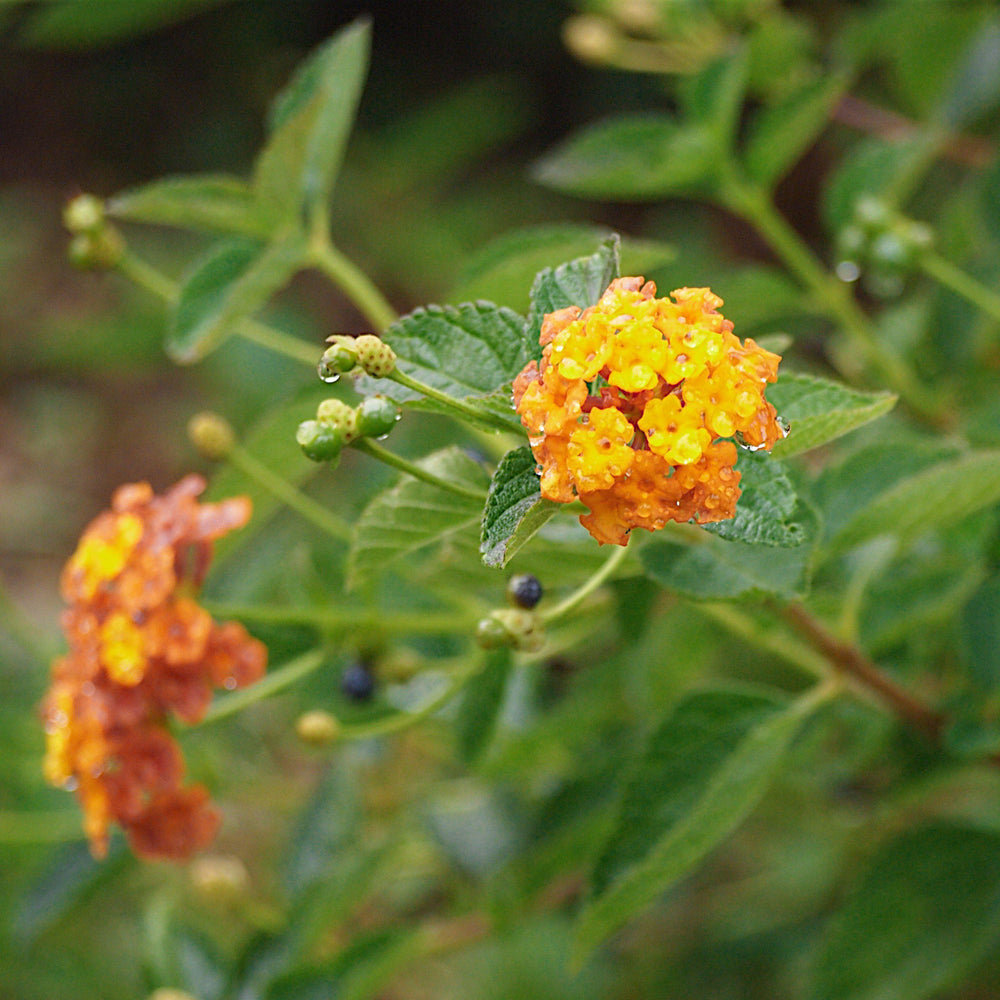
[[632, 405]]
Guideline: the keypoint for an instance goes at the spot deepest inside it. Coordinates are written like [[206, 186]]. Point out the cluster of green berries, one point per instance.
[[882, 245], [338, 424], [517, 626], [366, 354], [96, 244]]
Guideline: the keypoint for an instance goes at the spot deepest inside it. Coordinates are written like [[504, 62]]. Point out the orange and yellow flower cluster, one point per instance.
[[140, 649], [630, 405]]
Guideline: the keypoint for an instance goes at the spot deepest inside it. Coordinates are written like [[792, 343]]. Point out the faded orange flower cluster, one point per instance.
[[629, 407], [141, 649]]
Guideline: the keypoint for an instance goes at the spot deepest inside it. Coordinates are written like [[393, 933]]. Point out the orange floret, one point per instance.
[[141, 649], [627, 409]]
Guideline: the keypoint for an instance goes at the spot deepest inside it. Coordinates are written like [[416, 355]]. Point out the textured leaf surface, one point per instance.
[[927, 909], [818, 410], [703, 771], [631, 158], [765, 506], [515, 509], [213, 202], [413, 514], [310, 122], [579, 282], [942, 494], [714, 569], [782, 132], [467, 350], [232, 283]]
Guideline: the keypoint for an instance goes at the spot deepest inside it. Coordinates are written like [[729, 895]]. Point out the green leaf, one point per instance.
[[515, 509], [943, 494], [980, 635], [467, 350], [925, 912], [759, 297], [818, 410], [632, 158], [782, 132], [713, 98], [766, 503], [214, 202], [714, 569], [310, 121], [233, 282], [974, 89], [491, 412], [505, 269], [482, 699], [703, 771], [579, 282], [414, 514]]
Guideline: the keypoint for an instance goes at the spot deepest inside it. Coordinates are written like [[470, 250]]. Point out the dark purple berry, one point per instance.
[[524, 590], [357, 682]]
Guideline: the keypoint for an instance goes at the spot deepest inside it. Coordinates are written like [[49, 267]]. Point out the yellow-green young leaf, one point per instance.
[[414, 514], [925, 912], [310, 122], [782, 132], [214, 202], [702, 772], [632, 158], [579, 282], [233, 282], [515, 508], [818, 410], [940, 495]]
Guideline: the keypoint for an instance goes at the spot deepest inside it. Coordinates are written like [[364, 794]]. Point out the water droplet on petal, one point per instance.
[[229, 683]]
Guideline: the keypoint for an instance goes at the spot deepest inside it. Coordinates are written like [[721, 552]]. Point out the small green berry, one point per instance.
[[212, 435], [376, 416], [320, 441], [338, 359]]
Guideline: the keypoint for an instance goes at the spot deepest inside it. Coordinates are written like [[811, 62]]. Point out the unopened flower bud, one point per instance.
[[211, 434], [872, 213], [591, 39], [219, 878], [377, 415], [99, 250], [338, 359], [514, 627], [317, 728], [337, 414], [319, 441], [84, 214], [375, 356]]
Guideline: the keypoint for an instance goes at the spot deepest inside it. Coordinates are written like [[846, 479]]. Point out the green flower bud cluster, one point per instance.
[[338, 424], [882, 245], [518, 628], [95, 243], [366, 354]]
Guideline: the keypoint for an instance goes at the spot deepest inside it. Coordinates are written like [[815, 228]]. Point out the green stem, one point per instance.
[[355, 618], [766, 638], [273, 682], [588, 587], [290, 495], [148, 277], [353, 282], [369, 447], [477, 416], [961, 283], [755, 205]]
